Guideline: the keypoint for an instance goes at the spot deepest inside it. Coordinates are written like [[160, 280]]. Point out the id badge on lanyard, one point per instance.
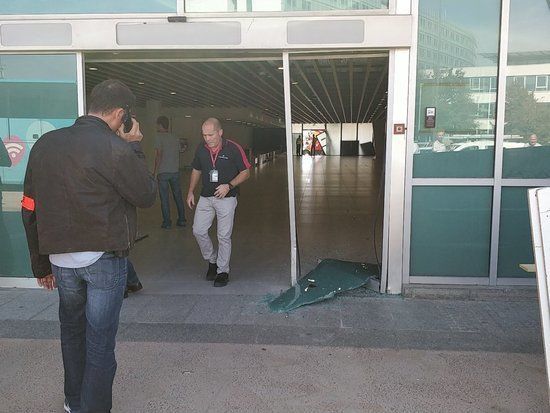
[[214, 175]]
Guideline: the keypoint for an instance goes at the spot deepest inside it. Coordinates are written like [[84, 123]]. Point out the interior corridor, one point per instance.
[[336, 205]]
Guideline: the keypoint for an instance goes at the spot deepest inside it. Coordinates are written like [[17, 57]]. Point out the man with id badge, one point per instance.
[[223, 166]]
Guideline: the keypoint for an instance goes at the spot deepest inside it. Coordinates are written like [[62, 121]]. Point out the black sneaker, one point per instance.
[[166, 226], [212, 270], [181, 223], [221, 280]]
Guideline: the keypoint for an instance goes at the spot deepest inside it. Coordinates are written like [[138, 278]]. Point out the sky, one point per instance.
[[529, 26]]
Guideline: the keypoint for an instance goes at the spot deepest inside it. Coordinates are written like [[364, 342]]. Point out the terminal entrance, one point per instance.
[[338, 105]]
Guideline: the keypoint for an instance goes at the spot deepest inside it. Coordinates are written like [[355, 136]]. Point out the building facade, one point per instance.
[[477, 72]]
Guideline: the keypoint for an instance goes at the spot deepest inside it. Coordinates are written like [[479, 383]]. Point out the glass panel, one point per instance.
[[527, 114], [281, 5], [456, 88], [514, 246], [37, 94], [88, 7], [449, 224]]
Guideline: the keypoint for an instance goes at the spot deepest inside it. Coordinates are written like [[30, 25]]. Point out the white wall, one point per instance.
[[334, 132], [337, 132], [364, 134]]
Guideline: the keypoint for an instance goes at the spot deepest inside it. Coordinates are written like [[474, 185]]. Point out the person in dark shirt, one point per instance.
[[223, 166], [82, 187]]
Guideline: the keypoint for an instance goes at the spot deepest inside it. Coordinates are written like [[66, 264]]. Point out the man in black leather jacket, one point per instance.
[[82, 186]]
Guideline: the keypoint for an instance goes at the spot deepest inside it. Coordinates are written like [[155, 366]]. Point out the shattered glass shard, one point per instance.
[[330, 277]]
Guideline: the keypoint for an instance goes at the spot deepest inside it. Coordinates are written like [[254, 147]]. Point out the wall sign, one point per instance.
[[429, 118]]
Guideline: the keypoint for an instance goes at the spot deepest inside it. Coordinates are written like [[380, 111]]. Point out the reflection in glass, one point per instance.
[[450, 231], [38, 93], [527, 112], [87, 7], [281, 5], [6, 251], [514, 246], [456, 88]]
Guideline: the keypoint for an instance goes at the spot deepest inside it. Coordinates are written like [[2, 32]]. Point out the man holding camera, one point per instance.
[[82, 186]]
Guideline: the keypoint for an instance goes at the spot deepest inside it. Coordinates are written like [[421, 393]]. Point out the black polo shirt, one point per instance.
[[230, 162]]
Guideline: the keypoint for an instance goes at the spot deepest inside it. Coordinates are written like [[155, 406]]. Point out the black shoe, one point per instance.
[[126, 293], [166, 226], [181, 223], [221, 280], [134, 288], [212, 270]]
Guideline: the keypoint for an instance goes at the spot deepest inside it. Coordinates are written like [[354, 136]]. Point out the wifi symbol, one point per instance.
[[15, 148]]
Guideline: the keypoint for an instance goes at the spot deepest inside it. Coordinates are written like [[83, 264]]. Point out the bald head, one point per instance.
[[214, 122], [212, 132]]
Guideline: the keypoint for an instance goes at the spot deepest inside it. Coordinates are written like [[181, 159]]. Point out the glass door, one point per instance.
[[38, 93]]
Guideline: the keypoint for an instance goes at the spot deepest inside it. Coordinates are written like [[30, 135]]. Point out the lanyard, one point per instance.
[[214, 157]]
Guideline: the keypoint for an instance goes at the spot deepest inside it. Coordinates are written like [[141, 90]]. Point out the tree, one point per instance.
[[449, 92], [524, 115]]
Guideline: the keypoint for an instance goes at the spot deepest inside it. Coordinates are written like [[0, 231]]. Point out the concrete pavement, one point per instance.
[[228, 353]]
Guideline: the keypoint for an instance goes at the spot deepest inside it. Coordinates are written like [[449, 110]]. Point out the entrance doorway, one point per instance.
[[246, 95], [339, 110]]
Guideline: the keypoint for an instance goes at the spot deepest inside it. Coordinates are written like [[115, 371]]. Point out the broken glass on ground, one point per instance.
[[329, 278]]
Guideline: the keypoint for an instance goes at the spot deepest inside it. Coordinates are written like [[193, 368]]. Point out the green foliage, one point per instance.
[[449, 92], [524, 115]]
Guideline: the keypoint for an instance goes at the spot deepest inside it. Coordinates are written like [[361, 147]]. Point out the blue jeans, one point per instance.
[[173, 180], [90, 299]]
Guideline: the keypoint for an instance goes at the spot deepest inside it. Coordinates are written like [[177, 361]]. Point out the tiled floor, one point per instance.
[[336, 200]]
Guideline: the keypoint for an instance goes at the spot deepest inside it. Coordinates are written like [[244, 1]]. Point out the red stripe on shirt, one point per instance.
[[243, 155]]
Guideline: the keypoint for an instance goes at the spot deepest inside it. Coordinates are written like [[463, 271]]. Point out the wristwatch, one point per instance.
[[230, 186]]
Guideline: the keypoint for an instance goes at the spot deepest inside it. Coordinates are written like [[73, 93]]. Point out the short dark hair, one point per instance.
[[110, 94], [163, 121]]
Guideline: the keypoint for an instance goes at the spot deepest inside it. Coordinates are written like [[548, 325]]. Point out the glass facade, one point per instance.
[[449, 224], [456, 88], [191, 6], [527, 117], [87, 7], [515, 244], [38, 93], [456, 126], [281, 5], [456, 123]]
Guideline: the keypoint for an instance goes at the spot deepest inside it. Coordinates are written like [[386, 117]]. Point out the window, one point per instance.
[[493, 84], [88, 7], [530, 83], [453, 83], [541, 83], [475, 83]]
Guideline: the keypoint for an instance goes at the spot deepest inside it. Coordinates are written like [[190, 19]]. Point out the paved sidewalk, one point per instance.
[[217, 353]]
